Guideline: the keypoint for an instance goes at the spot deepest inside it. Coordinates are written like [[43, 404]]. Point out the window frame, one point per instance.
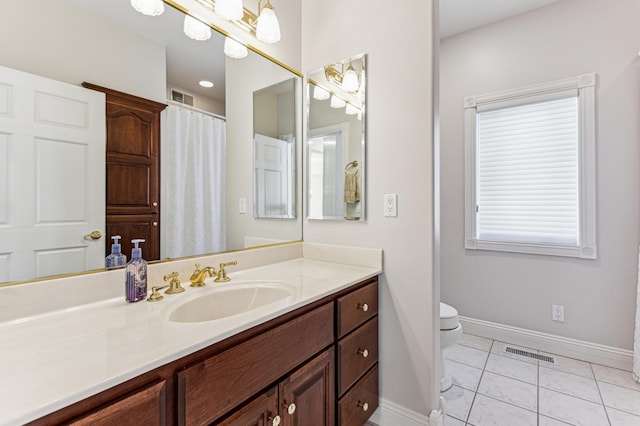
[[585, 86]]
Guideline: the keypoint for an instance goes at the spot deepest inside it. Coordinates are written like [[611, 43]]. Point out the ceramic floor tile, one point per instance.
[[508, 390], [615, 376], [452, 421], [620, 398], [570, 409], [491, 412], [458, 402], [464, 375], [568, 365], [513, 368], [466, 355], [499, 348], [548, 421], [620, 418], [570, 384], [475, 342]]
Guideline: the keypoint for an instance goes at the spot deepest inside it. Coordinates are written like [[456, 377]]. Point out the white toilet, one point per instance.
[[450, 332]]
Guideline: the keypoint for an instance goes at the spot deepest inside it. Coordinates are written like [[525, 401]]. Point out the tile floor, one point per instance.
[[493, 387]]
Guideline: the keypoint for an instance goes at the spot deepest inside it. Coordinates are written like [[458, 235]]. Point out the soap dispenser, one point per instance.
[[116, 258], [136, 271]]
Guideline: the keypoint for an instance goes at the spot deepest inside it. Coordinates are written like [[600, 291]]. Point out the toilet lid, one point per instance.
[[448, 317]]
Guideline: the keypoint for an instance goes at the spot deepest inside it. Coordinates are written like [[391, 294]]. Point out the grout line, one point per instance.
[[606, 412], [475, 394], [538, 394]]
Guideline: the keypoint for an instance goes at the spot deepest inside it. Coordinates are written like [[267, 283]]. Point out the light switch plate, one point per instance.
[[242, 205], [390, 205]]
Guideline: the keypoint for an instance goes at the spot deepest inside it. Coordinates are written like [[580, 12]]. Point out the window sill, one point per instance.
[[582, 252]]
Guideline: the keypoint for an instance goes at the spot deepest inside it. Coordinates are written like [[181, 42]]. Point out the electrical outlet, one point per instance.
[[557, 313], [390, 205]]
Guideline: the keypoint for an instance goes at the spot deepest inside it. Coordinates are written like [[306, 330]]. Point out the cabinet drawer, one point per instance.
[[357, 307], [144, 407], [360, 402], [352, 362], [214, 386]]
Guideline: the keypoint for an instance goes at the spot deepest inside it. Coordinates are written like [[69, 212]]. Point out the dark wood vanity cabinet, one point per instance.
[[316, 366]]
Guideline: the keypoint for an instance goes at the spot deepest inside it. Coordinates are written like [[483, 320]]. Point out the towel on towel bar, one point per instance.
[[351, 187]]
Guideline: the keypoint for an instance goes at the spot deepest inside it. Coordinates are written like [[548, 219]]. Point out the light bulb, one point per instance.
[[235, 50], [350, 80], [231, 10], [268, 29], [195, 29], [320, 93], [148, 7], [337, 102], [351, 110]]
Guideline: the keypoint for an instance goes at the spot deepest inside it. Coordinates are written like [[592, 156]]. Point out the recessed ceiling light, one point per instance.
[[205, 83]]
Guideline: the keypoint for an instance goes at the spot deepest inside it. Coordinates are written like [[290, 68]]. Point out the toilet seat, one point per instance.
[[448, 317]]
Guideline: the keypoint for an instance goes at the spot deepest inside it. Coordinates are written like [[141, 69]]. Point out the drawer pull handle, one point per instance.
[[363, 306], [364, 405], [363, 352], [291, 408], [275, 421]]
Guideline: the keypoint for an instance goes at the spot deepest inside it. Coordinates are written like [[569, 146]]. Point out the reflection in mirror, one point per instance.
[[274, 151], [111, 45], [336, 141]]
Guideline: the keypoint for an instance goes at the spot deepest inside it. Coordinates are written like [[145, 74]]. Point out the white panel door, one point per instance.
[[52, 176], [273, 177]]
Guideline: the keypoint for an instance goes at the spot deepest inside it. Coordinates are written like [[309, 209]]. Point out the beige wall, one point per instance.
[[52, 39], [562, 40], [399, 160]]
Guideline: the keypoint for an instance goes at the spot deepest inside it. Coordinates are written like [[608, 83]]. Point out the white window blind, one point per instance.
[[527, 173]]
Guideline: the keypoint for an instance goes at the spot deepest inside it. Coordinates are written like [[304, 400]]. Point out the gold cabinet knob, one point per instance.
[[291, 408], [155, 223], [95, 235], [364, 405], [363, 306], [275, 421], [363, 352], [155, 204]]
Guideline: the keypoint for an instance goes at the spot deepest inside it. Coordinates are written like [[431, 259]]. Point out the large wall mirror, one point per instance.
[[109, 44], [336, 141]]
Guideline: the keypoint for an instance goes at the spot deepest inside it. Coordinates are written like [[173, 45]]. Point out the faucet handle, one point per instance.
[[155, 295], [222, 273], [174, 284]]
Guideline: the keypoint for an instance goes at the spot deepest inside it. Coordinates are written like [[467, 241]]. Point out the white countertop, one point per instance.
[[55, 359]]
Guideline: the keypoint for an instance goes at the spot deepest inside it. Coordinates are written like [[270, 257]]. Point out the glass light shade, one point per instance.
[[268, 28], [351, 110], [231, 10], [195, 29], [233, 49], [350, 80], [320, 93], [337, 102], [148, 7]]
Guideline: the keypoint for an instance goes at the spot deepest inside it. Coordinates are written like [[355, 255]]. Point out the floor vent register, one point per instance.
[[539, 357]]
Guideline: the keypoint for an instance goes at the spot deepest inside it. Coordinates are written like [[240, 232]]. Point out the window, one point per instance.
[[530, 169]]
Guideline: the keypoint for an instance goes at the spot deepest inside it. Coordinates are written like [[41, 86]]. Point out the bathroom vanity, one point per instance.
[[310, 361]]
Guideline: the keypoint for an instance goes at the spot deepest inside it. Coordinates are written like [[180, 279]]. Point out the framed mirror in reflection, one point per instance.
[[336, 141], [47, 184]]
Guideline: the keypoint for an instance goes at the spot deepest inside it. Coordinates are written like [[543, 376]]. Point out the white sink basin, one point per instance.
[[232, 299]]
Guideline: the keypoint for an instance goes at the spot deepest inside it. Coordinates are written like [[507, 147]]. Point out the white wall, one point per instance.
[[53, 39], [561, 40], [399, 160]]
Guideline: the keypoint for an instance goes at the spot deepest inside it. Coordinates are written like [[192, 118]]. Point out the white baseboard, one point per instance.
[[391, 414], [572, 348]]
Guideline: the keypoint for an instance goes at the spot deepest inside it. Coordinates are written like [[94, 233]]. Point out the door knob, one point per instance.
[[95, 235], [291, 408], [275, 421]]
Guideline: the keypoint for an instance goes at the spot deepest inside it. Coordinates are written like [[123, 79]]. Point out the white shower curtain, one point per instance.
[[636, 340], [193, 161]]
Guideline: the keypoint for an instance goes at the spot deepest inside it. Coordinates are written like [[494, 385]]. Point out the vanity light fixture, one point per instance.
[[234, 50], [267, 27], [230, 10], [350, 80], [195, 29], [148, 7], [351, 109], [320, 93], [206, 83], [337, 102]]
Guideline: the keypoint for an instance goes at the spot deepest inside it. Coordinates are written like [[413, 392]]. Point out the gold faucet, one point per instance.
[[174, 284], [222, 273], [199, 275]]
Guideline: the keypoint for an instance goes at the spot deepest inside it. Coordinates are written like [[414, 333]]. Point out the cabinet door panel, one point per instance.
[[311, 388], [259, 412]]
